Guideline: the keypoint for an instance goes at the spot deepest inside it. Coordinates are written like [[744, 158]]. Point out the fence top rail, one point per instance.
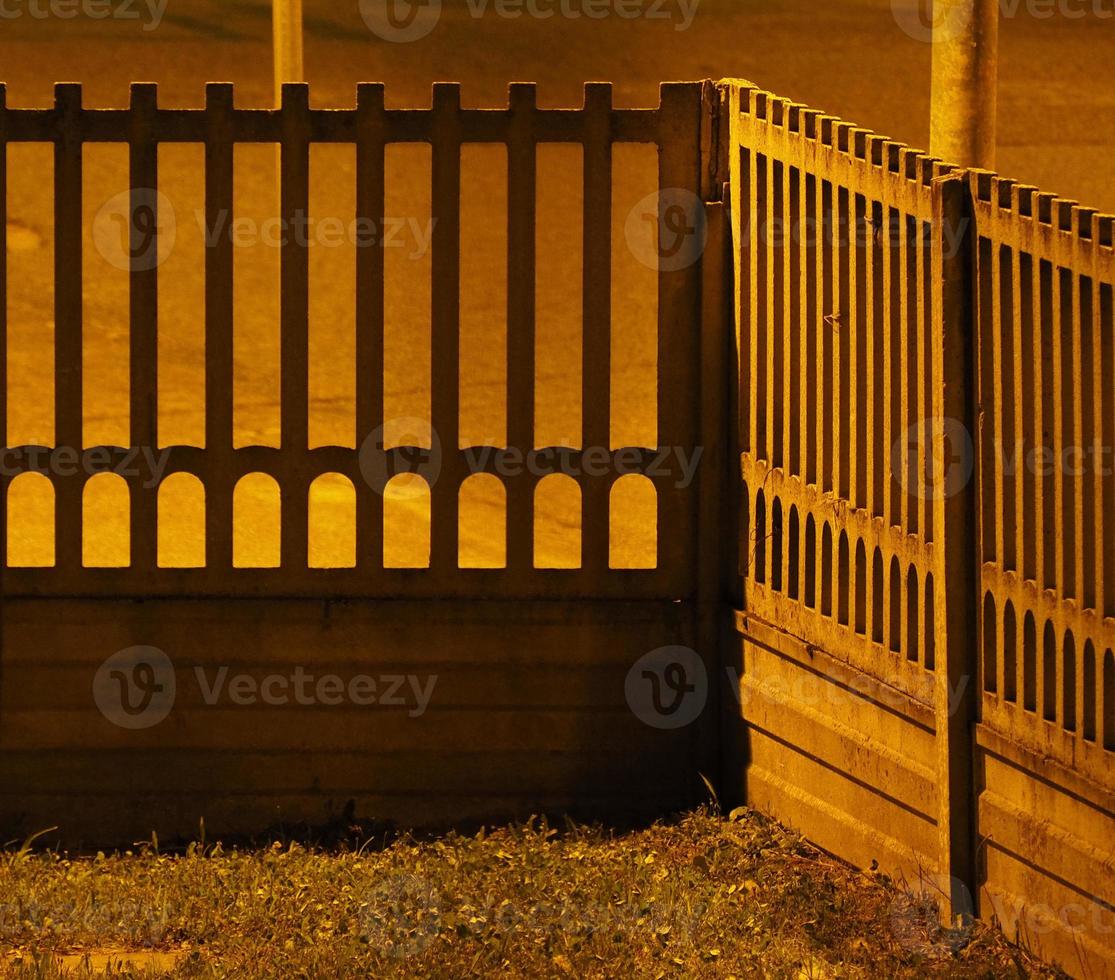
[[854, 143], [1063, 214], [1052, 227], [68, 118]]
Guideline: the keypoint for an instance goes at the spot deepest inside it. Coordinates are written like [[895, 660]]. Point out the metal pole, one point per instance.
[[965, 69], [287, 32]]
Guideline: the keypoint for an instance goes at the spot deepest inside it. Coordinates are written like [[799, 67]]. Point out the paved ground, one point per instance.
[[848, 57]]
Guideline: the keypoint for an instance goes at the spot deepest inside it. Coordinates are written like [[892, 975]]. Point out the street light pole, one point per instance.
[[286, 21], [965, 70]]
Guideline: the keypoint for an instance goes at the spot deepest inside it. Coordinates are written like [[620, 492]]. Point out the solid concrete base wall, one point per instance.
[[850, 763], [527, 713], [834, 754], [1047, 856]]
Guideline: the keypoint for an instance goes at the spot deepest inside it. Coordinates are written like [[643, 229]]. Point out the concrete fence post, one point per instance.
[[954, 541]]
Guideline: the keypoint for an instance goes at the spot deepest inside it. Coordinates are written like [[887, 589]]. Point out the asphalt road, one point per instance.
[[852, 58]]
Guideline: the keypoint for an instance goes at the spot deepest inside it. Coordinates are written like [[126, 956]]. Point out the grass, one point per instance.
[[702, 897]]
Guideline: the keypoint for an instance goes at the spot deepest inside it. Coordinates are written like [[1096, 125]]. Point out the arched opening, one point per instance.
[[811, 562], [30, 523], [759, 538], [930, 624], [482, 524], [1068, 675], [990, 645], [557, 522], [912, 626], [895, 606], [1091, 695], [877, 596], [826, 569], [776, 545], [181, 522], [1029, 663], [793, 551], [406, 522], [256, 522], [633, 523], [1049, 672], [1109, 701], [106, 539], [332, 522], [1010, 654], [843, 577], [861, 588]]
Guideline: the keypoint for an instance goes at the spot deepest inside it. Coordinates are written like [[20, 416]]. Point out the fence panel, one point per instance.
[[526, 669], [850, 628], [1047, 388], [1045, 270], [674, 128], [925, 422], [840, 384]]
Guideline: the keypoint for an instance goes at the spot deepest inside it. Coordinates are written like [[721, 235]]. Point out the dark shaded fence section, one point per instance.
[[529, 710], [674, 127]]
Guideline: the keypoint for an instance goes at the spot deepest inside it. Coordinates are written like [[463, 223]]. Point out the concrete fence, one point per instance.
[[925, 632], [888, 585]]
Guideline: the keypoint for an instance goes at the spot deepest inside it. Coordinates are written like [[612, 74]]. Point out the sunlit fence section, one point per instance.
[[1047, 477], [837, 252], [1043, 274], [927, 519]]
